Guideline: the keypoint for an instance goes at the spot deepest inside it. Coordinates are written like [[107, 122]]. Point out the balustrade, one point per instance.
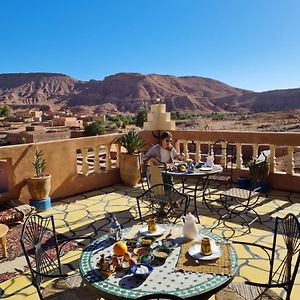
[[99, 155]]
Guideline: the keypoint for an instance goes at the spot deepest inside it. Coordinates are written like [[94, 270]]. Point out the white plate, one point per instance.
[[159, 231], [205, 168], [194, 251]]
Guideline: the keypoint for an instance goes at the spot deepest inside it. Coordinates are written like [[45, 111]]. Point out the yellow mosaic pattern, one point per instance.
[[89, 213]]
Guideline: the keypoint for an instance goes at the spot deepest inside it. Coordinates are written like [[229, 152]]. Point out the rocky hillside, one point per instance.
[[126, 92]]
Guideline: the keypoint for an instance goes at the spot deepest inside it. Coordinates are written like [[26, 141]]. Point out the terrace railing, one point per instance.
[[83, 164], [284, 149], [76, 166]]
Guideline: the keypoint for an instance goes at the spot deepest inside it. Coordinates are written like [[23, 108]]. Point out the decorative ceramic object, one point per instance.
[[189, 227]]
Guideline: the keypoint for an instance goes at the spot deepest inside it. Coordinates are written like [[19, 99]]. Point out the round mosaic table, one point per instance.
[[163, 279], [201, 183]]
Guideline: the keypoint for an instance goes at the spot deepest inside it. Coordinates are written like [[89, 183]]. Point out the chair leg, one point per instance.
[[139, 209]]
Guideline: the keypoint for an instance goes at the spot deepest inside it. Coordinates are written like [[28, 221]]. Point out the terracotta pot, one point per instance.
[[130, 169], [39, 187]]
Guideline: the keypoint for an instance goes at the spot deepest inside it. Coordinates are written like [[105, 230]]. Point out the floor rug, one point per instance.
[[15, 262]]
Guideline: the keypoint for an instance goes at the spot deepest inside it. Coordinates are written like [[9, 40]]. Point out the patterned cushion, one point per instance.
[[242, 291], [239, 193]]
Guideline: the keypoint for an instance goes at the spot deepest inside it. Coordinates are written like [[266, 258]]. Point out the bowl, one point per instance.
[[147, 258], [137, 270], [162, 253], [169, 243], [139, 251], [146, 241]]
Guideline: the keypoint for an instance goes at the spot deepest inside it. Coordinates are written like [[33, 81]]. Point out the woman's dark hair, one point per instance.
[[164, 135]]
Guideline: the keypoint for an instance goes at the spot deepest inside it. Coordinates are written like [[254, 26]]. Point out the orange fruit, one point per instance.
[[120, 248]]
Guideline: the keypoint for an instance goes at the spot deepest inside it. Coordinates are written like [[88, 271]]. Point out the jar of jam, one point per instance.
[[205, 246]]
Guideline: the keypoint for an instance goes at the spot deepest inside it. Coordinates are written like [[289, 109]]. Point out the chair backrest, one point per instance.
[[155, 179], [286, 232], [160, 296], [38, 234], [225, 151], [258, 172], [169, 196]]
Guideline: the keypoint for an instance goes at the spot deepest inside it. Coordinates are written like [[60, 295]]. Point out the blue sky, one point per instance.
[[252, 44]]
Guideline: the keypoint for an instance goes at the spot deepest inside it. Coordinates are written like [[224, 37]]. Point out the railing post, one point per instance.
[[272, 158], [239, 156], [223, 154], [118, 155], [255, 151], [96, 159], [85, 164], [186, 150], [107, 157], [290, 162], [198, 151]]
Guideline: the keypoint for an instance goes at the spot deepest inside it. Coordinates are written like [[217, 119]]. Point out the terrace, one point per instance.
[[86, 190]]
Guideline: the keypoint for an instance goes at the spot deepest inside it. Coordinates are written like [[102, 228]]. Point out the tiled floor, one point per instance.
[[89, 213]]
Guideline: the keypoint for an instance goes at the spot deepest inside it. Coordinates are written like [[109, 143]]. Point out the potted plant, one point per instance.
[[39, 185], [130, 169], [245, 182]]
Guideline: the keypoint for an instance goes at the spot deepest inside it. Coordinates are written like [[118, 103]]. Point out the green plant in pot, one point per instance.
[[39, 185], [130, 161]]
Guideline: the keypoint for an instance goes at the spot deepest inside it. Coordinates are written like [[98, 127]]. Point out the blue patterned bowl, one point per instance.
[[135, 267]]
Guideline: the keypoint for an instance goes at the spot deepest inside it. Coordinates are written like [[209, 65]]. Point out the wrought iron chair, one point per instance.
[[36, 247], [160, 296], [281, 275], [239, 201], [225, 152], [163, 200]]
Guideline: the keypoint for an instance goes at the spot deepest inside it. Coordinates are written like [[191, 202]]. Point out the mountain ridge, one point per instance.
[[127, 92]]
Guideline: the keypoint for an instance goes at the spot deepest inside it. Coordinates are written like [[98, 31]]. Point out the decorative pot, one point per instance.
[[39, 187], [130, 168], [244, 182]]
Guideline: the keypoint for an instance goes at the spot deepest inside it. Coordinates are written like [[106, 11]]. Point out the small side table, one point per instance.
[[3, 232]]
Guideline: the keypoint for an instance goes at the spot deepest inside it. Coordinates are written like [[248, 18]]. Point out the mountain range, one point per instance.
[[127, 92]]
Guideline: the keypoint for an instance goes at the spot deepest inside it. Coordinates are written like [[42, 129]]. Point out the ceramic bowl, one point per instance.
[[135, 268], [162, 253]]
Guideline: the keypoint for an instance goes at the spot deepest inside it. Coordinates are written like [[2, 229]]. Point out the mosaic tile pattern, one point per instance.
[[89, 214]]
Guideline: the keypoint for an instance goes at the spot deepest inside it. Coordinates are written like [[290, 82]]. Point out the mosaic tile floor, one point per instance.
[[89, 213]]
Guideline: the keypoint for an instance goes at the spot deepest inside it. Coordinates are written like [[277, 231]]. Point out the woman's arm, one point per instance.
[[152, 153], [176, 155]]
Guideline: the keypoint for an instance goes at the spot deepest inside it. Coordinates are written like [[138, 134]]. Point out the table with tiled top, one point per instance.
[[164, 279]]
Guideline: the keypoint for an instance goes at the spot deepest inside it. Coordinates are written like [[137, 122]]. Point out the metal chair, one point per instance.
[[225, 151], [36, 248], [163, 200], [281, 275], [160, 296], [242, 200]]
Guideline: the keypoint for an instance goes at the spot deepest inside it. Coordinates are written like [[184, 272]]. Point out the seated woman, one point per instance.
[[163, 152]]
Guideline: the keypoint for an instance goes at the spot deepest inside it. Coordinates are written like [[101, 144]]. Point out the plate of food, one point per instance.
[[159, 231], [195, 251]]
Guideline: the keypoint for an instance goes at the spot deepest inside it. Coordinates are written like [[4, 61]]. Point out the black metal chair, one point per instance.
[[163, 200], [281, 275], [160, 296], [225, 156], [36, 245], [239, 201]]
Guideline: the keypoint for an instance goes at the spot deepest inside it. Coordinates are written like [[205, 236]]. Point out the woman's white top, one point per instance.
[[164, 155]]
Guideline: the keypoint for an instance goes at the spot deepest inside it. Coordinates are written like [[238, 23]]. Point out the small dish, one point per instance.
[[168, 243], [147, 241], [147, 258], [159, 231], [162, 253], [141, 270], [139, 251], [131, 243]]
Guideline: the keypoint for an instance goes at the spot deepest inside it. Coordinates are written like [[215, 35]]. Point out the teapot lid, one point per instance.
[[190, 217]]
